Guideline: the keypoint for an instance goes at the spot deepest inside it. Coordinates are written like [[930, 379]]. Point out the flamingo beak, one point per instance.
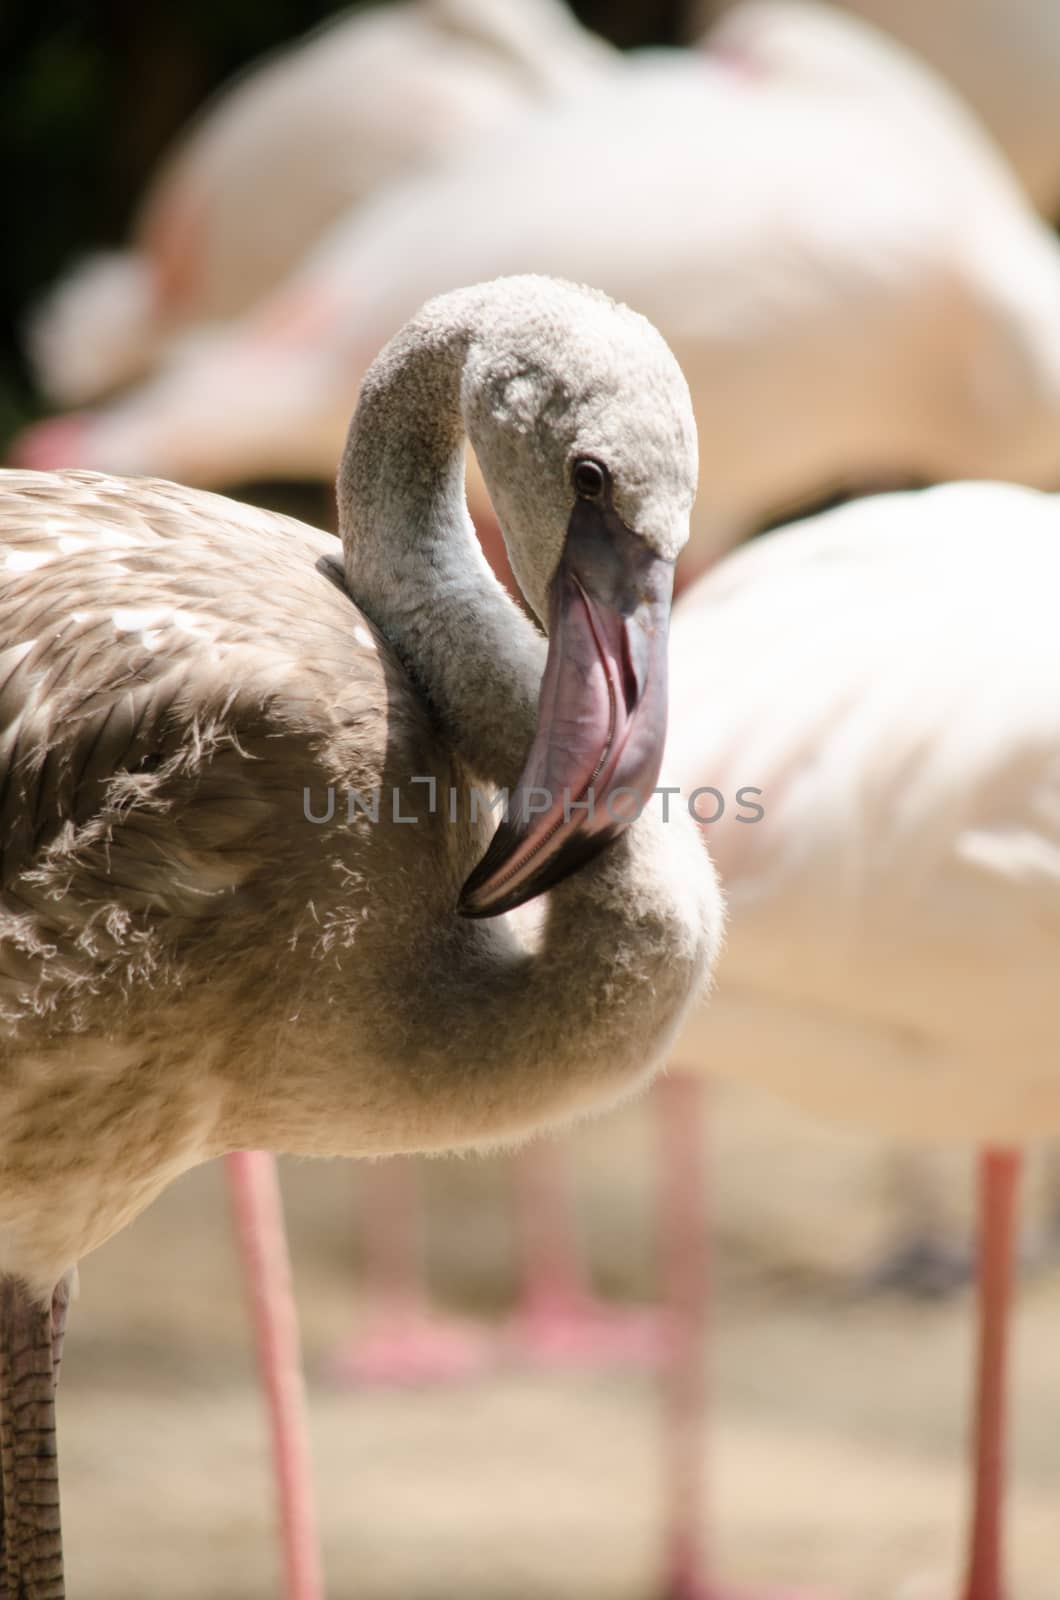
[[601, 722]]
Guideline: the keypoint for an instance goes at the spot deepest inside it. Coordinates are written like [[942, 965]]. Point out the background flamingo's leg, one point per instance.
[[686, 1263], [999, 1172], [559, 1321], [404, 1341], [685, 1253]]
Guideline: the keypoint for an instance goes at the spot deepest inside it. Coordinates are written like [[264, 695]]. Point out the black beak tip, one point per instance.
[[576, 852], [498, 853], [465, 905]]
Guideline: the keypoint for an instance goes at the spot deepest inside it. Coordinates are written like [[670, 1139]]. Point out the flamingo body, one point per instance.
[[889, 760], [895, 913], [166, 704], [1003, 57]]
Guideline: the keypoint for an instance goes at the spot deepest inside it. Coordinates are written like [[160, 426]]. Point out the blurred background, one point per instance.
[[840, 1394], [93, 96]]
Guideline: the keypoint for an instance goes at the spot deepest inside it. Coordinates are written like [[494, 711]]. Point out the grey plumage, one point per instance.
[[187, 964]]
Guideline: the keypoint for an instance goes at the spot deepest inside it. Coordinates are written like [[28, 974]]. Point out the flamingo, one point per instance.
[[835, 332], [1003, 56], [190, 965], [277, 155], [890, 672]]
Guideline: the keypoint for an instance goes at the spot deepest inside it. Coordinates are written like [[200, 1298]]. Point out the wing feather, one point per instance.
[[174, 668]]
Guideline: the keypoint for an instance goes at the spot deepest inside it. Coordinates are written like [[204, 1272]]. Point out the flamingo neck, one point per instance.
[[412, 559]]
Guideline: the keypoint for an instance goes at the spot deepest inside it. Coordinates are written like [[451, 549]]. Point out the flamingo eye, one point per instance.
[[589, 478]]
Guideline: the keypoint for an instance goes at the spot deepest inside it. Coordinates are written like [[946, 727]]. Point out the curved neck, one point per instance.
[[412, 558]]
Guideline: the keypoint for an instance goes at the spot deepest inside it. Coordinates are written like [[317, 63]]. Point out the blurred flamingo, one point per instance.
[[278, 154], [836, 332], [1003, 57], [890, 673]]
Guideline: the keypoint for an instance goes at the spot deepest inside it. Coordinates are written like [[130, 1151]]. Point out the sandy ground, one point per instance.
[[837, 1435]]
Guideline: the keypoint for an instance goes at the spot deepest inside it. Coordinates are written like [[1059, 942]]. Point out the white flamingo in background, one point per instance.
[[187, 967], [277, 155], [894, 933], [851, 280], [1003, 56]]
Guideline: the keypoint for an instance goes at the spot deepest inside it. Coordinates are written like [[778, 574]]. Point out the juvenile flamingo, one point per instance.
[[189, 966]]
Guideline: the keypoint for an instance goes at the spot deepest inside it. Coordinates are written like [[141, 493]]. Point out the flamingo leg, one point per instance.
[[258, 1206], [31, 1545], [686, 1255], [999, 1173], [559, 1321], [405, 1343], [686, 1264]]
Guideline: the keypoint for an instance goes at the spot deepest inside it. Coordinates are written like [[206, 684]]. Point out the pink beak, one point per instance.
[[601, 716]]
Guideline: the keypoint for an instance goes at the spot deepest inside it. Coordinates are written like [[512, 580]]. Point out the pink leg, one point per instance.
[[686, 1258], [405, 1343], [258, 1206], [686, 1253], [686, 1265], [998, 1183], [559, 1321]]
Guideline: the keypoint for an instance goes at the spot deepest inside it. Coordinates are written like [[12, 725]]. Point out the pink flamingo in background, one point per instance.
[[1003, 57], [890, 672], [276, 156], [836, 332]]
